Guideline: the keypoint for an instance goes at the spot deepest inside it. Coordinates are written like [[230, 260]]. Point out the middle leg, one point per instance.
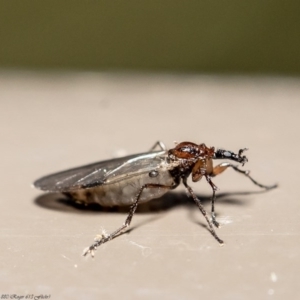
[[220, 169], [107, 237], [203, 211]]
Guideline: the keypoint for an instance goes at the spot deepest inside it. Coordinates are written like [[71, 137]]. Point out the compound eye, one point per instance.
[[153, 173]]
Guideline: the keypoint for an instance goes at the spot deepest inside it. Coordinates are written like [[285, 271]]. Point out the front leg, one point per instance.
[[223, 166], [220, 169]]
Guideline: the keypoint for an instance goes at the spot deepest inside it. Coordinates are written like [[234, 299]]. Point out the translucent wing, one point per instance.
[[104, 172]]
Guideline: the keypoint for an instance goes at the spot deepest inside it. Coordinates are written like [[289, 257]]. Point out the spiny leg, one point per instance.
[[223, 166], [213, 199], [203, 211], [107, 237]]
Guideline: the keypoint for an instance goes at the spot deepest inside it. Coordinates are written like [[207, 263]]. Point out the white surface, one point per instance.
[[52, 122]]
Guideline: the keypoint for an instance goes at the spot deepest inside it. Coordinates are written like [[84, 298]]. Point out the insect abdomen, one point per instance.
[[124, 192]]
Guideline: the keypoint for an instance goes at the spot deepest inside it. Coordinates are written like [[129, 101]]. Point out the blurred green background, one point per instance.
[[204, 36]]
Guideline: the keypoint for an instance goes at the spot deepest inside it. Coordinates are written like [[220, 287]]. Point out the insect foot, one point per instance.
[[214, 221], [105, 237], [242, 159], [99, 240]]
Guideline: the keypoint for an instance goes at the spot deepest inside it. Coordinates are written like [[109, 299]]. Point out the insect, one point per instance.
[[138, 178]]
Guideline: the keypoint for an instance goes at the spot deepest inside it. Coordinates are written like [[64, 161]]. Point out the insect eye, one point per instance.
[[153, 173]]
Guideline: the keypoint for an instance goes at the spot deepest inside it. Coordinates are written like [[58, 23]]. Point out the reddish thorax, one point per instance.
[[196, 159]]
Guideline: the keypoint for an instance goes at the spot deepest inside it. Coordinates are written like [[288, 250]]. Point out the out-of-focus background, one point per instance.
[[84, 81], [257, 37]]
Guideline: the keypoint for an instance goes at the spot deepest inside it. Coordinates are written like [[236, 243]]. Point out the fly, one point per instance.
[[138, 178]]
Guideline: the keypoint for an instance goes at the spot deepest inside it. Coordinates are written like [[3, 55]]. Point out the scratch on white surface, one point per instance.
[[146, 251], [67, 258]]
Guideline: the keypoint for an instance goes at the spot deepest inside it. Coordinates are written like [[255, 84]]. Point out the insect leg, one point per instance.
[[213, 199], [203, 211], [223, 166], [159, 144], [133, 207]]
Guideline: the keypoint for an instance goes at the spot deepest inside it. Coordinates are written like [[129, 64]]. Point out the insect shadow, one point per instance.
[[165, 203], [171, 200]]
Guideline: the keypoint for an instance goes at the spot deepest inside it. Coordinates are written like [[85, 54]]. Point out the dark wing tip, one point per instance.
[[49, 184], [42, 184]]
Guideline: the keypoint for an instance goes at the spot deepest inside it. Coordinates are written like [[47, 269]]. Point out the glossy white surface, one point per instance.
[[53, 122]]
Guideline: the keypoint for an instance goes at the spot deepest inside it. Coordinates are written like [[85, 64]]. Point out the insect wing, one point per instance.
[[104, 172]]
